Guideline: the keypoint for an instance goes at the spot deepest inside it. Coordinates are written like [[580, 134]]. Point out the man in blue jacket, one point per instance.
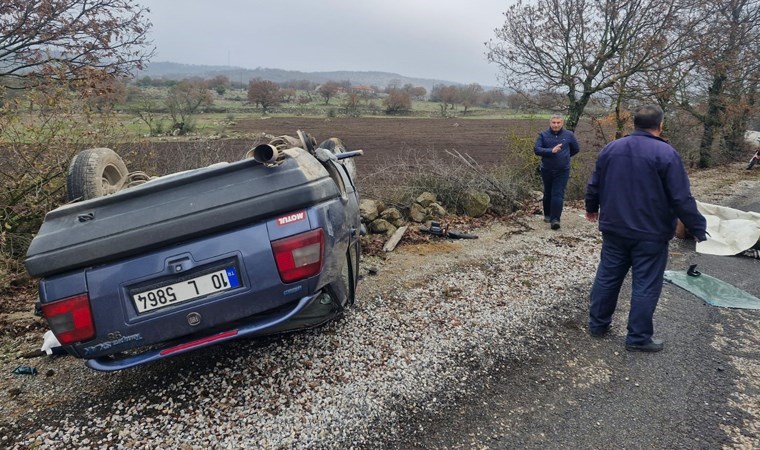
[[638, 189], [555, 146]]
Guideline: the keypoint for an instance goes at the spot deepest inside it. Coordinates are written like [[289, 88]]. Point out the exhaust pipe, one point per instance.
[[265, 153]]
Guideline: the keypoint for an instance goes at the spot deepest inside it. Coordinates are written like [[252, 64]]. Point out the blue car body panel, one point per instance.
[[224, 217]]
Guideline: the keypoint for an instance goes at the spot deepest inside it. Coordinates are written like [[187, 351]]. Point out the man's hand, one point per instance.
[[557, 148], [592, 216]]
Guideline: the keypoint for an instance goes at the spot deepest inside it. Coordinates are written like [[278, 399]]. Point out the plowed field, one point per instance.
[[386, 142], [385, 138]]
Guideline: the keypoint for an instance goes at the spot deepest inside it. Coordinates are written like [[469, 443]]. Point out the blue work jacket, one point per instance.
[[639, 187], [547, 140]]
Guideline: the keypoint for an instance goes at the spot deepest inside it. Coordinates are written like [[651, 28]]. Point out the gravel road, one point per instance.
[[702, 391], [454, 344]]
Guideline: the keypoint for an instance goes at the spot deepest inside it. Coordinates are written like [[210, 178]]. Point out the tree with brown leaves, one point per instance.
[[328, 90], [70, 40], [264, 93]]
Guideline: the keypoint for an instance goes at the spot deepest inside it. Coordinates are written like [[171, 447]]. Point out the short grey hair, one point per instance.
[[647, 117], [557, 116]]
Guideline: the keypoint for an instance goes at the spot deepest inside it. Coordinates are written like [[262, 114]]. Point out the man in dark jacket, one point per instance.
[[638, 189], [555, 146]]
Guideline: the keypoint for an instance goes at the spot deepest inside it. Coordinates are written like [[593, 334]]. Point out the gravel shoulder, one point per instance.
[[439, 325]]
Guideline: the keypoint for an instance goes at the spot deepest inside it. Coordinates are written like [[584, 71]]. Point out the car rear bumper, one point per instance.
[[312, 310]]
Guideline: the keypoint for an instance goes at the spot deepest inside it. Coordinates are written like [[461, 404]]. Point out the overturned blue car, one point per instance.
[[260, 246]]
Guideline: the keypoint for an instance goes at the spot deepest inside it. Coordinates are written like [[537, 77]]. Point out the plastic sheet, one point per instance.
[[731, 231], [713, 291]]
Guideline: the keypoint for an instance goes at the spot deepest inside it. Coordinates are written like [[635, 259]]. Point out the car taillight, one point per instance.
[[70, 319], [299, 256]]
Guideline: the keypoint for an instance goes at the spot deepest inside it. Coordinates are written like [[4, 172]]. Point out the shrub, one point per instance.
[[399, 183], [36, 150], [397, 102], [163, 158]]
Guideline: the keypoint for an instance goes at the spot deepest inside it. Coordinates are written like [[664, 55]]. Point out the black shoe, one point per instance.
[[555, 224], [547, 219], [654, 345], [599, 332]]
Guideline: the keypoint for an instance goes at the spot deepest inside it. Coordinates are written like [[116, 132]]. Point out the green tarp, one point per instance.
[[713, 290]]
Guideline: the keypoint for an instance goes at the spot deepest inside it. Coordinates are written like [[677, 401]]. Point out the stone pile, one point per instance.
[[381, 220]]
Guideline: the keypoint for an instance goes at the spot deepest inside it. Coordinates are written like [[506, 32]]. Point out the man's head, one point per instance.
[[556, 122], [648, 118]]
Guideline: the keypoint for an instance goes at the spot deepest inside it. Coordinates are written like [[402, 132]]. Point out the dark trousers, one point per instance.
[[647, 261], [555, 182]]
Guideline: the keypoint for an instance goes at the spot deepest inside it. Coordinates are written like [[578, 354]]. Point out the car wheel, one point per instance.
[[95, 172]]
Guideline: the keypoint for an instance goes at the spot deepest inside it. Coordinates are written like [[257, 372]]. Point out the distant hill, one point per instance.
[[172, 70]]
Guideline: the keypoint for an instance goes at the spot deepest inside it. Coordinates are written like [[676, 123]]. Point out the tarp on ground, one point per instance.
[[713, 291], [732, 231]]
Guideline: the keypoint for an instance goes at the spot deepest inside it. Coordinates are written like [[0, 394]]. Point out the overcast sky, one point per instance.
[[441, 39]]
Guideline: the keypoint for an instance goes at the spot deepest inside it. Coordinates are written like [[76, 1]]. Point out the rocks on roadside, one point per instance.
[[426, 207]]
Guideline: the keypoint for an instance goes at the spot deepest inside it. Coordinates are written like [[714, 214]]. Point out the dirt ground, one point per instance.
[[701, 392], [381, 139], [388, 138]]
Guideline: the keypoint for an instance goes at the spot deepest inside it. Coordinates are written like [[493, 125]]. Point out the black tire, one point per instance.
[[752, 163], [95, 172]]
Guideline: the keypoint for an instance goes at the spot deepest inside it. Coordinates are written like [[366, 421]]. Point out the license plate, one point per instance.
[[210, 283]]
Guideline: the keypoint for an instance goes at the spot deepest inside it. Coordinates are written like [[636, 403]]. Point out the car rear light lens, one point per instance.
[[299, 256], [70, 319]]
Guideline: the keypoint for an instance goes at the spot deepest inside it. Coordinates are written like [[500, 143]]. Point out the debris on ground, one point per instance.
[[395, 239], [25, 370], [50, 344], [730, 231], [437, 230], [712, 290]]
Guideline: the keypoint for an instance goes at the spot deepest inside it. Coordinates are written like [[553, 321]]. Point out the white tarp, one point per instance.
[[731, 231]]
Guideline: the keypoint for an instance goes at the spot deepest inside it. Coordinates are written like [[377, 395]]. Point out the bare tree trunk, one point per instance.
[[744, 97], [619, 120], [576, 110], [713, 119]]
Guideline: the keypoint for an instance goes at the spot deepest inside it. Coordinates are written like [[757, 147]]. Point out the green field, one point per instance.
[[233, 106]]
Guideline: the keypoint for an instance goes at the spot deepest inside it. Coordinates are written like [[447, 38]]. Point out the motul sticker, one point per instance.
[[290, 218]]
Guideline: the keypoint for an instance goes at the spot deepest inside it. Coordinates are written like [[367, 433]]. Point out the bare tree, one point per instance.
[[265, 93], [351, 104], [416, 92], [446, 95], [397, 101], [219, 84], [184, 99], [48, 40], [575, 46], [469, 96], [328, 90], [725, 74], [492, 97]]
